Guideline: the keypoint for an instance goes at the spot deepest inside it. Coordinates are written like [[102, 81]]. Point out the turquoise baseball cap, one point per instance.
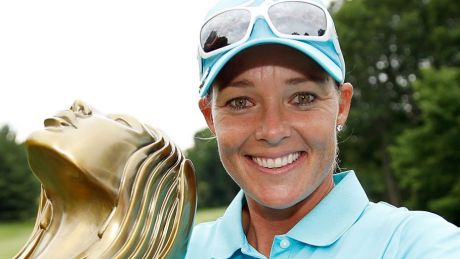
[[326, 51]]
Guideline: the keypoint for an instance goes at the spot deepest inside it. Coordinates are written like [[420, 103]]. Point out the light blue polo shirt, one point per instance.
[[343, 225]]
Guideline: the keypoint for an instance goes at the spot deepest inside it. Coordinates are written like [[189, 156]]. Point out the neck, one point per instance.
[[261, 224], [76, 206], [73, 217]]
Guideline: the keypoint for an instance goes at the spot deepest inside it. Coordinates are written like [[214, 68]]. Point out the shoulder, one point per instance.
[[412, 234], [427, 235], [412, 221]]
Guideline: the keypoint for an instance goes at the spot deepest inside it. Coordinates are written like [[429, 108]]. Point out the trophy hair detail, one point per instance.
[[111, 188]]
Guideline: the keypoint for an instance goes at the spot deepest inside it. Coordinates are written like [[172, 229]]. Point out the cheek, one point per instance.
[[232, 134], [228, 137], [228, 147], [319, 133]]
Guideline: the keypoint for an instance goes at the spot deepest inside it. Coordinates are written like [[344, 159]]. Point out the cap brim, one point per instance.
[[323, 60]]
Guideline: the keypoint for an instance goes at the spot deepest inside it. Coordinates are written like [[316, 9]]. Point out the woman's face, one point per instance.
[[274, 112], [98, 145]]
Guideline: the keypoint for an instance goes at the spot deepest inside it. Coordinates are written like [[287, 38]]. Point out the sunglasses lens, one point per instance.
[[224, 29], [298, 18]]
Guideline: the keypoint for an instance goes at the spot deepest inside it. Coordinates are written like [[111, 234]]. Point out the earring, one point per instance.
[[339, 127]]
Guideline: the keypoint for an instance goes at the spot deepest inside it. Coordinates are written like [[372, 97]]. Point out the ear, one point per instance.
[[205, 108], [346, 93]]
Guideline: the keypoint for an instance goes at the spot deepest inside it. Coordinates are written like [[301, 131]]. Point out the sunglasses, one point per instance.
[[298, 20]]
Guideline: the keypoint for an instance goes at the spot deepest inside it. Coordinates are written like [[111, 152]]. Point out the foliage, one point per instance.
[[18, 187], [385, 43], [215, 187], [426, 157], [206, 215]]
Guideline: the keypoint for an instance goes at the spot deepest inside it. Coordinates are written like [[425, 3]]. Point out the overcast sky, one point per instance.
[[130, 57]]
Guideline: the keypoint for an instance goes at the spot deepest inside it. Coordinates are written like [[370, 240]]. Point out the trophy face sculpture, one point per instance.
[[111, 188]]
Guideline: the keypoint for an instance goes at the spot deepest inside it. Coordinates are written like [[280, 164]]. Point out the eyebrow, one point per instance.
[[239, 84], [300, 80], [292, 81], [319, 82]]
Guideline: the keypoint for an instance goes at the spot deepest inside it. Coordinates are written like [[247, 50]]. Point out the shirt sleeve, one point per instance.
[[427, 235]]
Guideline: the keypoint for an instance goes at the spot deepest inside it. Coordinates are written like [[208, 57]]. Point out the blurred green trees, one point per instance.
[[426, 157], [19, 190], [385, 45]]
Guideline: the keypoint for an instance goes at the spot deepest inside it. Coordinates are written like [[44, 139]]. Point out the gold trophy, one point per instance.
[[111, 188]]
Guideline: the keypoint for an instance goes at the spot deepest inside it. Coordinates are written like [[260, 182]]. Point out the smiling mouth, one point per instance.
[[276, 162], [58, 122]]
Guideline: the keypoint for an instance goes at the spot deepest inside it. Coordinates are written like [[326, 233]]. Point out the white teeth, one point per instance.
[[258, 161], [276, 162], [270, 163]]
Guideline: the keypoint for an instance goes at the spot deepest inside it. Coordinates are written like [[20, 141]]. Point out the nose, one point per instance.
[[274, 127], [81, 108]]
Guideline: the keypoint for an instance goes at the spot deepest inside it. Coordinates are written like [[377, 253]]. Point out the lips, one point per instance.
[[276, 162]]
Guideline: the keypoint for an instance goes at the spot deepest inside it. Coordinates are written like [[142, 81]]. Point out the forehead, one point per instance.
[[272, 55]]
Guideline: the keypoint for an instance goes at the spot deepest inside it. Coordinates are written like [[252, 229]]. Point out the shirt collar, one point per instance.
[[320, 227], [229, 233], [334, 215]]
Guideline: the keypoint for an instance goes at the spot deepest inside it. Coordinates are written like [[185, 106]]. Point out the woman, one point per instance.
[[274, 95]]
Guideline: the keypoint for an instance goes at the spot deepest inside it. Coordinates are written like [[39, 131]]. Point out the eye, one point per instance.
[[240, 103], [122, 121], [303, 99]]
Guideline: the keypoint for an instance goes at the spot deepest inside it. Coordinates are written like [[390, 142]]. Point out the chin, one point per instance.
[[51, 139], [279, 202]]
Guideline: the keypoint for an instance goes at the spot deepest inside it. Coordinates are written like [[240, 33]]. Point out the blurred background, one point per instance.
[[403, 58]]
